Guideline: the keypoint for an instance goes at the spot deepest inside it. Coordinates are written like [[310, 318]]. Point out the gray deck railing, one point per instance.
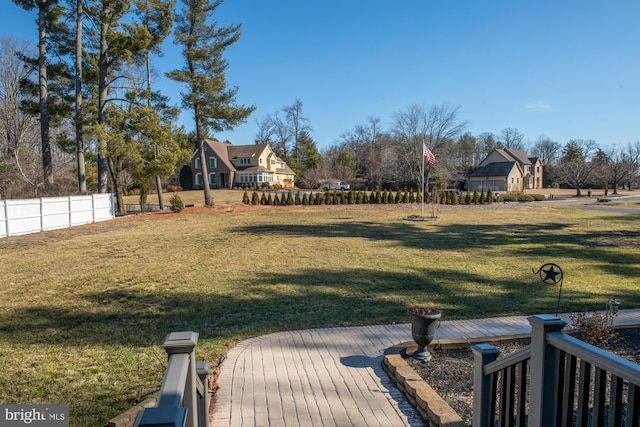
[[557, 380], [183, 399]]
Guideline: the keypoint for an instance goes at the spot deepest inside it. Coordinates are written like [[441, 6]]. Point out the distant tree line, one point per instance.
[[392, 159]]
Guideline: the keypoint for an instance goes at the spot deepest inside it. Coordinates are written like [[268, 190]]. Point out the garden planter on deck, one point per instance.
[[424, 323]]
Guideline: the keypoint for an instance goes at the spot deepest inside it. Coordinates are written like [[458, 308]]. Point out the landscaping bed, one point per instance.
[[450, 371]]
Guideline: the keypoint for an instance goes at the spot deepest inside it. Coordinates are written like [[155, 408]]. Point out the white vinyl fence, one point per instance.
[[23, 216]]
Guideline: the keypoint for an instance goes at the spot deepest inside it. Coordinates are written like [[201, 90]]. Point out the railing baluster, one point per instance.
[[569, 392], [599, 396], [521, 414], [615, 401], [633, 406], [584, 386]]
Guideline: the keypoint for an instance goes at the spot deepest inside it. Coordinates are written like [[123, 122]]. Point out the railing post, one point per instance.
[[185, 343], [202, 369], [483, 354], [544, 371]]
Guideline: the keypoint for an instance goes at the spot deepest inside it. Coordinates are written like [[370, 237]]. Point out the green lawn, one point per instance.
[[83, 311]]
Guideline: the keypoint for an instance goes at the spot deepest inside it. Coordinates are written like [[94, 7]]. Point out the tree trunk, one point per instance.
[[158, 180], [102, 101], [44, 107], [159, 190], [208, 201], [82, 176], [115, 169]]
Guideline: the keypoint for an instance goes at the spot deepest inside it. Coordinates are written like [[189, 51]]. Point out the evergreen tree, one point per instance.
[[276, 199], [305, 199], [481, 199], [255, 199], [467, 198], [263, 199], [475, 197], [245, 198], [489, 196], [297, 200], [49, 13], [270, 200], [212, 102]]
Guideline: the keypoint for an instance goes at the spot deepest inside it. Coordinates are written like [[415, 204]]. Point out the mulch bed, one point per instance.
[[450, 372]]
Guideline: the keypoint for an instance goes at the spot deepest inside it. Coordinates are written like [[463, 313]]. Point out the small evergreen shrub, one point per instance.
[[255, 198], [489, 196], [263, 199], [270, 200], [175, 203], [538, 197], [245, 198], [297, 200], [276, 199]]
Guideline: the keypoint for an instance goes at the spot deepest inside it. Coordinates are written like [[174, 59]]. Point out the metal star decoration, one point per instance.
[[550, 273]]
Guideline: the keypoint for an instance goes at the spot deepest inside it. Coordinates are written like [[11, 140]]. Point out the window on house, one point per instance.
[[512, 180], [198, 179], [213, 162], [245, 161], [198, 164], [212, 179], [273, 162], [538, 169], [260, 160]]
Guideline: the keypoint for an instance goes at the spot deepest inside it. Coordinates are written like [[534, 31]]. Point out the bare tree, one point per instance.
[[18, 130], [576, 168], [546, 150], [620, 165], [433, 126], [512, 138], [297, 124]]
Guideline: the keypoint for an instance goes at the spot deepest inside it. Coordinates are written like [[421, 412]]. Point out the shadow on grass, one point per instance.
[[552, 240], [310, 298]]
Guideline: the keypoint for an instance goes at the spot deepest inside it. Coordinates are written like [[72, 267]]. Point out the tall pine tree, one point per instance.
[[213, 103]]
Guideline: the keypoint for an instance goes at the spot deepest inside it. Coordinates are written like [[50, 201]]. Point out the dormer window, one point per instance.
[[245, 161]]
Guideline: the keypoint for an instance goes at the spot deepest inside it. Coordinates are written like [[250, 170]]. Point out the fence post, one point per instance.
[[483, 354], [185, 343], [544, 371], [6, 218]]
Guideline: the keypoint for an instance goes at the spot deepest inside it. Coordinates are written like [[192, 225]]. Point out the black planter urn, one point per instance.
[[424, 323]]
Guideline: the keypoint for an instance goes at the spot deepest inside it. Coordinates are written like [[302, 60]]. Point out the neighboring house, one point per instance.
[[230, 165], [507, 170]]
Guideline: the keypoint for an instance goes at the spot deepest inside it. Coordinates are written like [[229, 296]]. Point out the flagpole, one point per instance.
[[422, 177]]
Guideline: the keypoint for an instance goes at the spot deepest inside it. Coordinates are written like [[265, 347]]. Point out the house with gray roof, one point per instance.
[[232, 165], [507, 170]]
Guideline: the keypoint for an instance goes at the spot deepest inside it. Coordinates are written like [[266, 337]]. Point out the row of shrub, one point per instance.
[[380, 197]]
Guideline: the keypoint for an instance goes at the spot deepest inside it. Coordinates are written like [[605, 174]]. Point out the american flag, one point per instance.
[[428, 154]]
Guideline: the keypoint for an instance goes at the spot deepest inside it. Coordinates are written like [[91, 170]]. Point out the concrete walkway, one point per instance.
[[333, 376]]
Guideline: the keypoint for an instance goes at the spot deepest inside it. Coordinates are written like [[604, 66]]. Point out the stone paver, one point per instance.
[[333, 376]]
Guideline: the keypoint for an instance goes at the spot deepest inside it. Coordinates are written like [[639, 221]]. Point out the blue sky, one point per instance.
[[566, 69]]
